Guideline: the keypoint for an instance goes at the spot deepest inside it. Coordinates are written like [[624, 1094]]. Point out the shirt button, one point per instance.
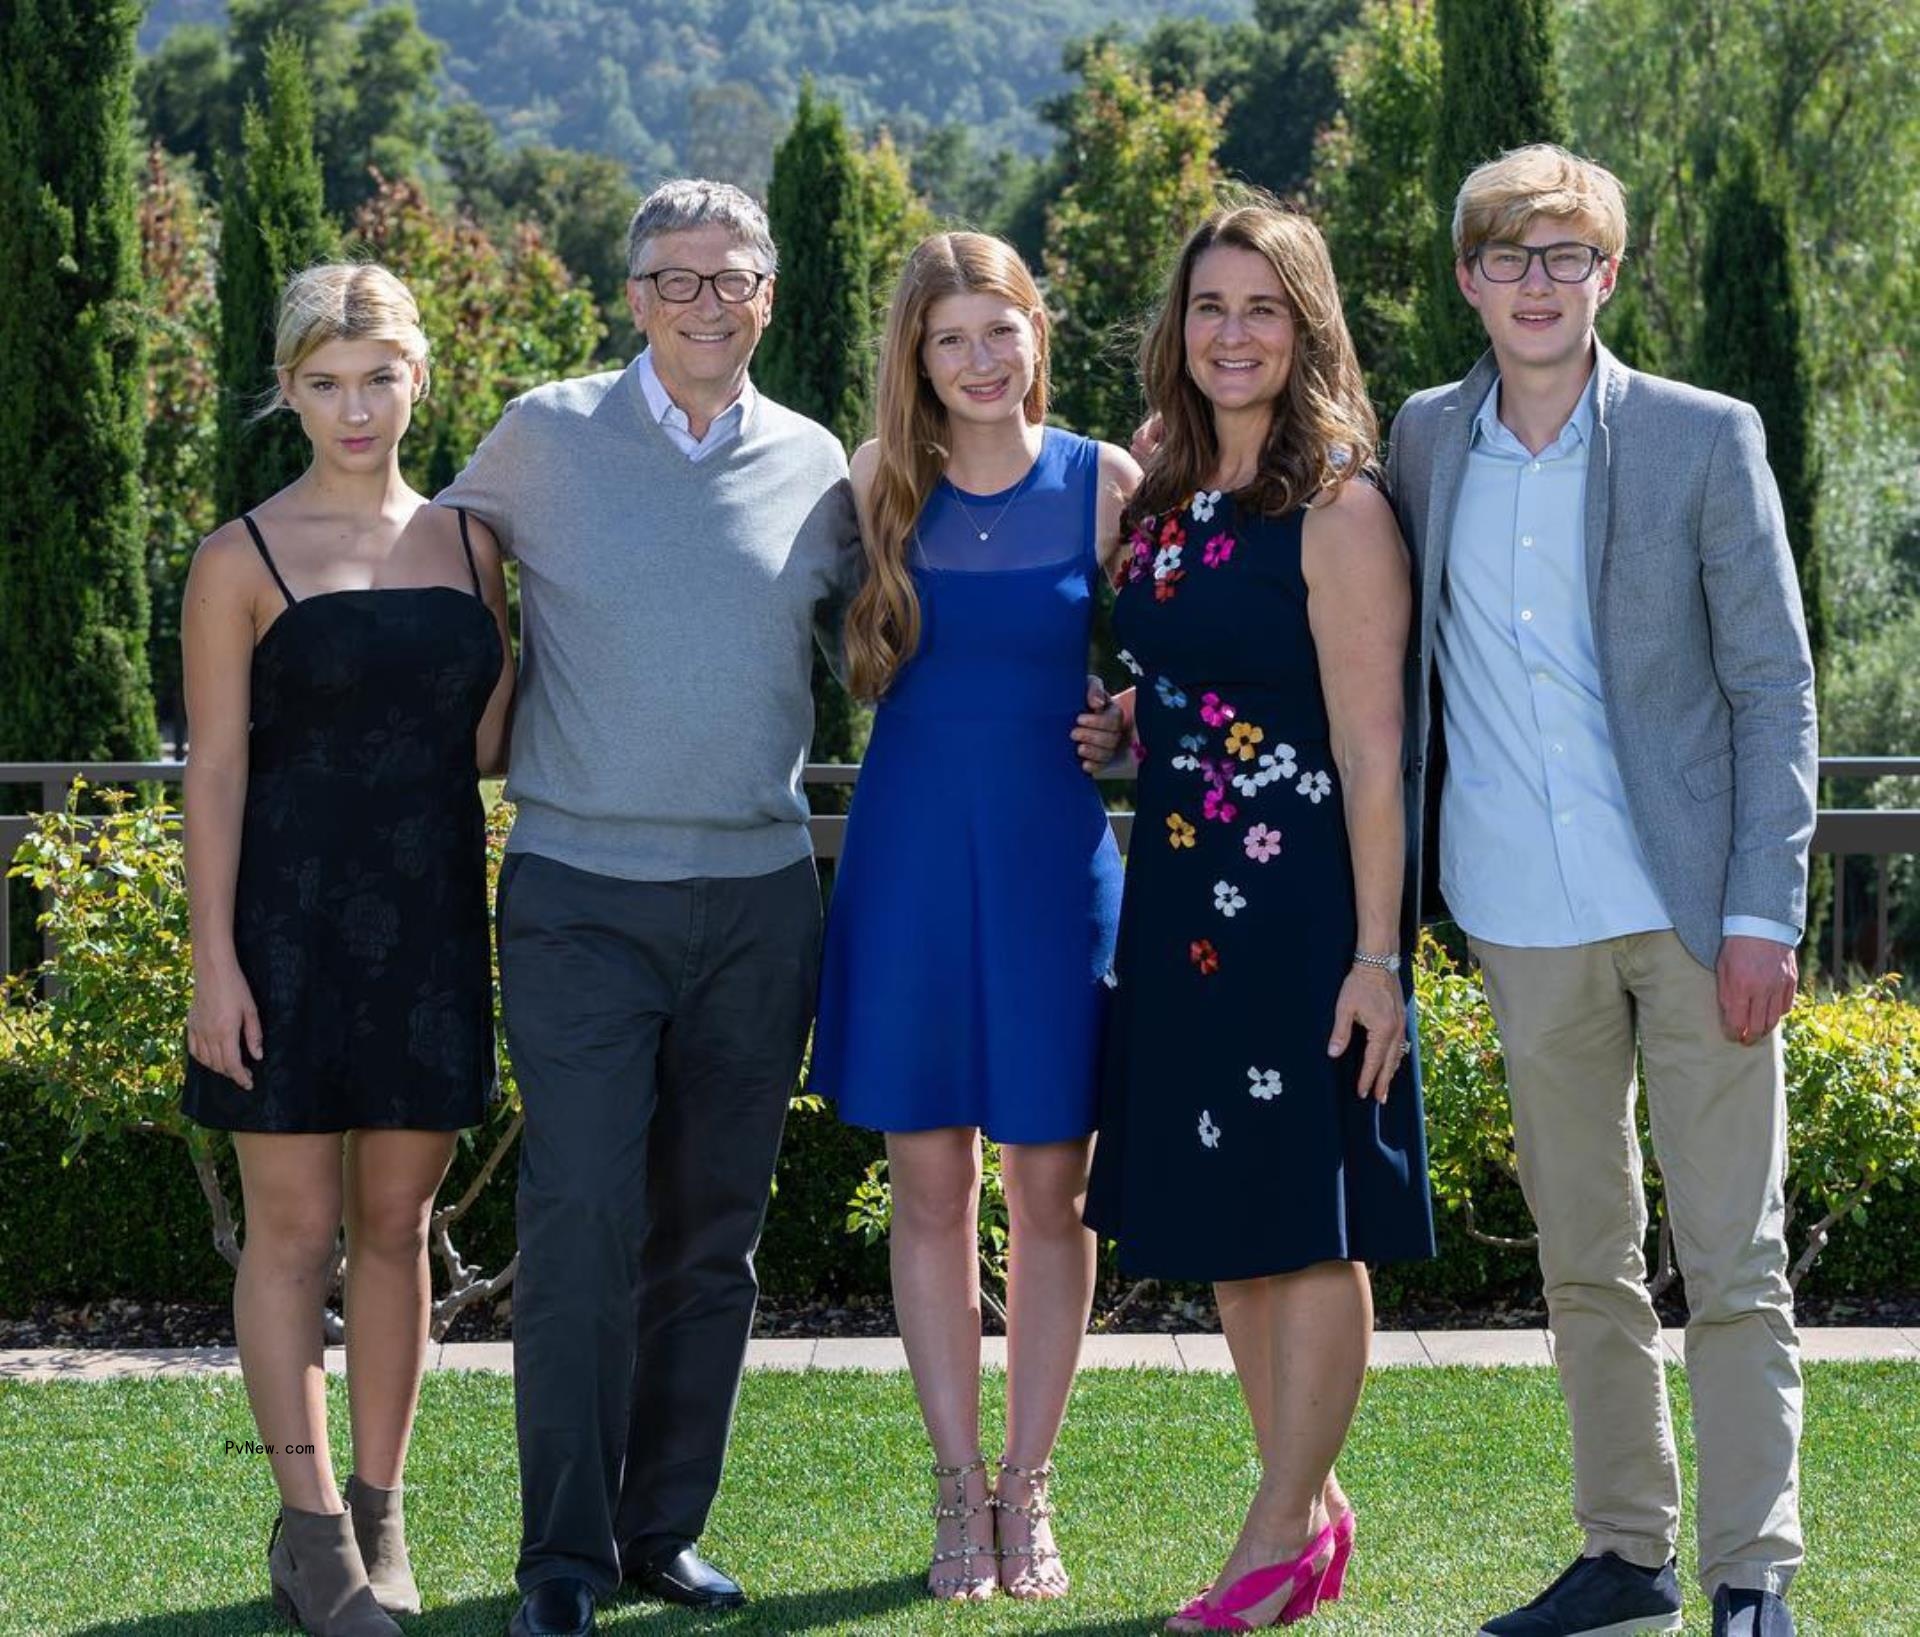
[[1526, 539], [1534, 467], [1540, 676], [1559, 750], [1566, 818], [1526, 613]]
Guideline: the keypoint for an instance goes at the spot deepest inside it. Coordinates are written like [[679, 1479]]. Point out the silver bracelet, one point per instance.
[[1386, 963]]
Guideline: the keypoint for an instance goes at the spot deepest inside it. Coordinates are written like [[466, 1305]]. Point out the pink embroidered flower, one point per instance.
[[1217, 807], [1217, 550], [1262, 843], [1171, 534], [1203, 955], [1215, 711]]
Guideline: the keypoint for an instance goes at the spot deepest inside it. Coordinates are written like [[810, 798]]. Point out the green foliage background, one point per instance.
[[73, 588]]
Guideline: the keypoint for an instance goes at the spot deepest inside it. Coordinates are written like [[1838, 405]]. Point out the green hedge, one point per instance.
[[126, 1218]]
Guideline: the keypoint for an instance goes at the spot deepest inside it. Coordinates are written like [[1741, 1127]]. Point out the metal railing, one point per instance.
[[1876, 834]]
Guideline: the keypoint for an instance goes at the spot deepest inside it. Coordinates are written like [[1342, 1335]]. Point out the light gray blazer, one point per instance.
[[1704, 668]]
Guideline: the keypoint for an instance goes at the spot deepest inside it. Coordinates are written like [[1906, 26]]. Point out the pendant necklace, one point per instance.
[[973, 522]]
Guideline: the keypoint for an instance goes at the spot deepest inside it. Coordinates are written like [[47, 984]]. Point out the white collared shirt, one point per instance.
[[723, 429]]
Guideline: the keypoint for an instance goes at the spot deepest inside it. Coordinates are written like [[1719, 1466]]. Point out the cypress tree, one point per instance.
[[73, 592], [817, 352], [818, 349], [1753, 346], [275, 225], [1498, 90]]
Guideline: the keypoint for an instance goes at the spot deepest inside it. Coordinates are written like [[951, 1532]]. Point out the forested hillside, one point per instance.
[[686, 84]]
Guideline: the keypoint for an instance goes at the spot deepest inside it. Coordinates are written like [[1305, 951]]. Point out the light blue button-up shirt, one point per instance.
[[1537, 847], [721, 431]]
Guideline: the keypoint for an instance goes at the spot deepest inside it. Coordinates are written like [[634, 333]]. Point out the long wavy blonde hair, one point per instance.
[[1324, 429], [883, 620]]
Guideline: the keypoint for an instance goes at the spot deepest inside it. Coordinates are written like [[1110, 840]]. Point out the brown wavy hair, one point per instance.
[[1324, 429], [910, 427]]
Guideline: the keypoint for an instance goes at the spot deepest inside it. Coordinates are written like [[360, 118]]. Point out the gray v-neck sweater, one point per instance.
[[667, 613]]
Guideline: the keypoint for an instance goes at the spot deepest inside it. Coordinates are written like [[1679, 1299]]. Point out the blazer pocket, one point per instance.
[[1710, 776]]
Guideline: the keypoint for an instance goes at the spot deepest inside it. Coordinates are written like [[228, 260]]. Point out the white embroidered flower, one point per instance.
[[1202, 506], [1209, 1132], [1314, 786], [1279, 765], [1187, 762], [1265, 1083], [1227, 899], [1165, 561], [1131, 663]]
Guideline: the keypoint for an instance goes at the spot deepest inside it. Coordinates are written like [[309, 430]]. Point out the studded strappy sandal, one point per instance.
[[1040, 1573], [966, 1585]]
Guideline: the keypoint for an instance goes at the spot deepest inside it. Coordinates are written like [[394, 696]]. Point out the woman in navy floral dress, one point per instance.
[[1260, 1125]]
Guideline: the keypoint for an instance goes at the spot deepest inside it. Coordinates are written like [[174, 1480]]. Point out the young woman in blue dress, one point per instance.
[[970, 939], [348, 675]]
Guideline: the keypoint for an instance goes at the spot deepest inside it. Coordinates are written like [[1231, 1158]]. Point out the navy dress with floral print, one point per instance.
[[360, 908], [1231, 1146]]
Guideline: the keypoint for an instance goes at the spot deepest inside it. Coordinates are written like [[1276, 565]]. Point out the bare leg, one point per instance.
[[290, 1186], [1250, 1334], [391, 1180], [1318, 1324], [1049, 1294], [936, 1296]]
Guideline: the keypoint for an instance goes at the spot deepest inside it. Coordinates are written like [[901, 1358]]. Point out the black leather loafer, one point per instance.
[[688, 1579], [555, 1608]]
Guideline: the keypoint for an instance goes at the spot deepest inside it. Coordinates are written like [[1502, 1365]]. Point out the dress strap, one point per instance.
[[260, 545], [1090, 453], [467, 542]]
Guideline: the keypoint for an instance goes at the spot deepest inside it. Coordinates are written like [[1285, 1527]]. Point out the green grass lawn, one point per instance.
[[120, 1513]]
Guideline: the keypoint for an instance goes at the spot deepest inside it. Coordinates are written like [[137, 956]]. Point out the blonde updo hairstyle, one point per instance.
[[344, 301]]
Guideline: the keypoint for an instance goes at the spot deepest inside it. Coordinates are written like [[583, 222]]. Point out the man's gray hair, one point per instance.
[[673, 207]]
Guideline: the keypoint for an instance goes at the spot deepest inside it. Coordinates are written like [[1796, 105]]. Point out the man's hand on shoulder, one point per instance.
[[1757, 982]]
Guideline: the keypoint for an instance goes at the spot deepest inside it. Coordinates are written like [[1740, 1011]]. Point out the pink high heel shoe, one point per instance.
[[1293, 1576], [1333, 1578]]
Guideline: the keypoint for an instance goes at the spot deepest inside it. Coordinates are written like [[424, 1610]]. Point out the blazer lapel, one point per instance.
[[1606, 398], [1450, 445]]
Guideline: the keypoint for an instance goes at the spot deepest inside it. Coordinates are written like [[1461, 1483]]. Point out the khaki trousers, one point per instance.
[[1569, 1021]]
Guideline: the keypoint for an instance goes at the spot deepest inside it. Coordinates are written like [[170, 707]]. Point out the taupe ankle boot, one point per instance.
[[319, 1582], [381, 1530]]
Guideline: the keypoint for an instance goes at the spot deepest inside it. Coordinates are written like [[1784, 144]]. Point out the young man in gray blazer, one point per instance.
[[1612, 693]]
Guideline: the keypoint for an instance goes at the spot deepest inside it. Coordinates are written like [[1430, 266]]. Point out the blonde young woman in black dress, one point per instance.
[[348, 676]]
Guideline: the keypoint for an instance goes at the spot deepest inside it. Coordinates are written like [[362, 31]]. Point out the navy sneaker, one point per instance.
[[1741, 1613], [1603, 1596]]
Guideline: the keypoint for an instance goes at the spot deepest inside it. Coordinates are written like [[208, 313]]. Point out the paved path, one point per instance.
[[1392, 1349]]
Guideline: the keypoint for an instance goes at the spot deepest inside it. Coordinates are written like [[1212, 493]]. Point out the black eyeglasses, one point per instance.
[[682, 284], [1504, 263]]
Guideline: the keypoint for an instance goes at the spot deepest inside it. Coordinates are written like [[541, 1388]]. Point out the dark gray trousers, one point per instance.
[[656, 1030]]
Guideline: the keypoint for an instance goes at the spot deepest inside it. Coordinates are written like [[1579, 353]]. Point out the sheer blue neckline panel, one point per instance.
[[1039, 522]]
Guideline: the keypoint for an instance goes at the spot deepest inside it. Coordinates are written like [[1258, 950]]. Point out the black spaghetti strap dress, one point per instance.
[[360, 908]]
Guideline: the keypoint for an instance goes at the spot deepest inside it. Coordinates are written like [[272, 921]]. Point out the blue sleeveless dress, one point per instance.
[[970, 937]]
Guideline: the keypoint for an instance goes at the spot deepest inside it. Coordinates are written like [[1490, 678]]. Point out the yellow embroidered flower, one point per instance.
[[1242, 737], [1179, 832]]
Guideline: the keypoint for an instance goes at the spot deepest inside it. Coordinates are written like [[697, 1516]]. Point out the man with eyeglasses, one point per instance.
[[1612, 700], [681, 540]]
